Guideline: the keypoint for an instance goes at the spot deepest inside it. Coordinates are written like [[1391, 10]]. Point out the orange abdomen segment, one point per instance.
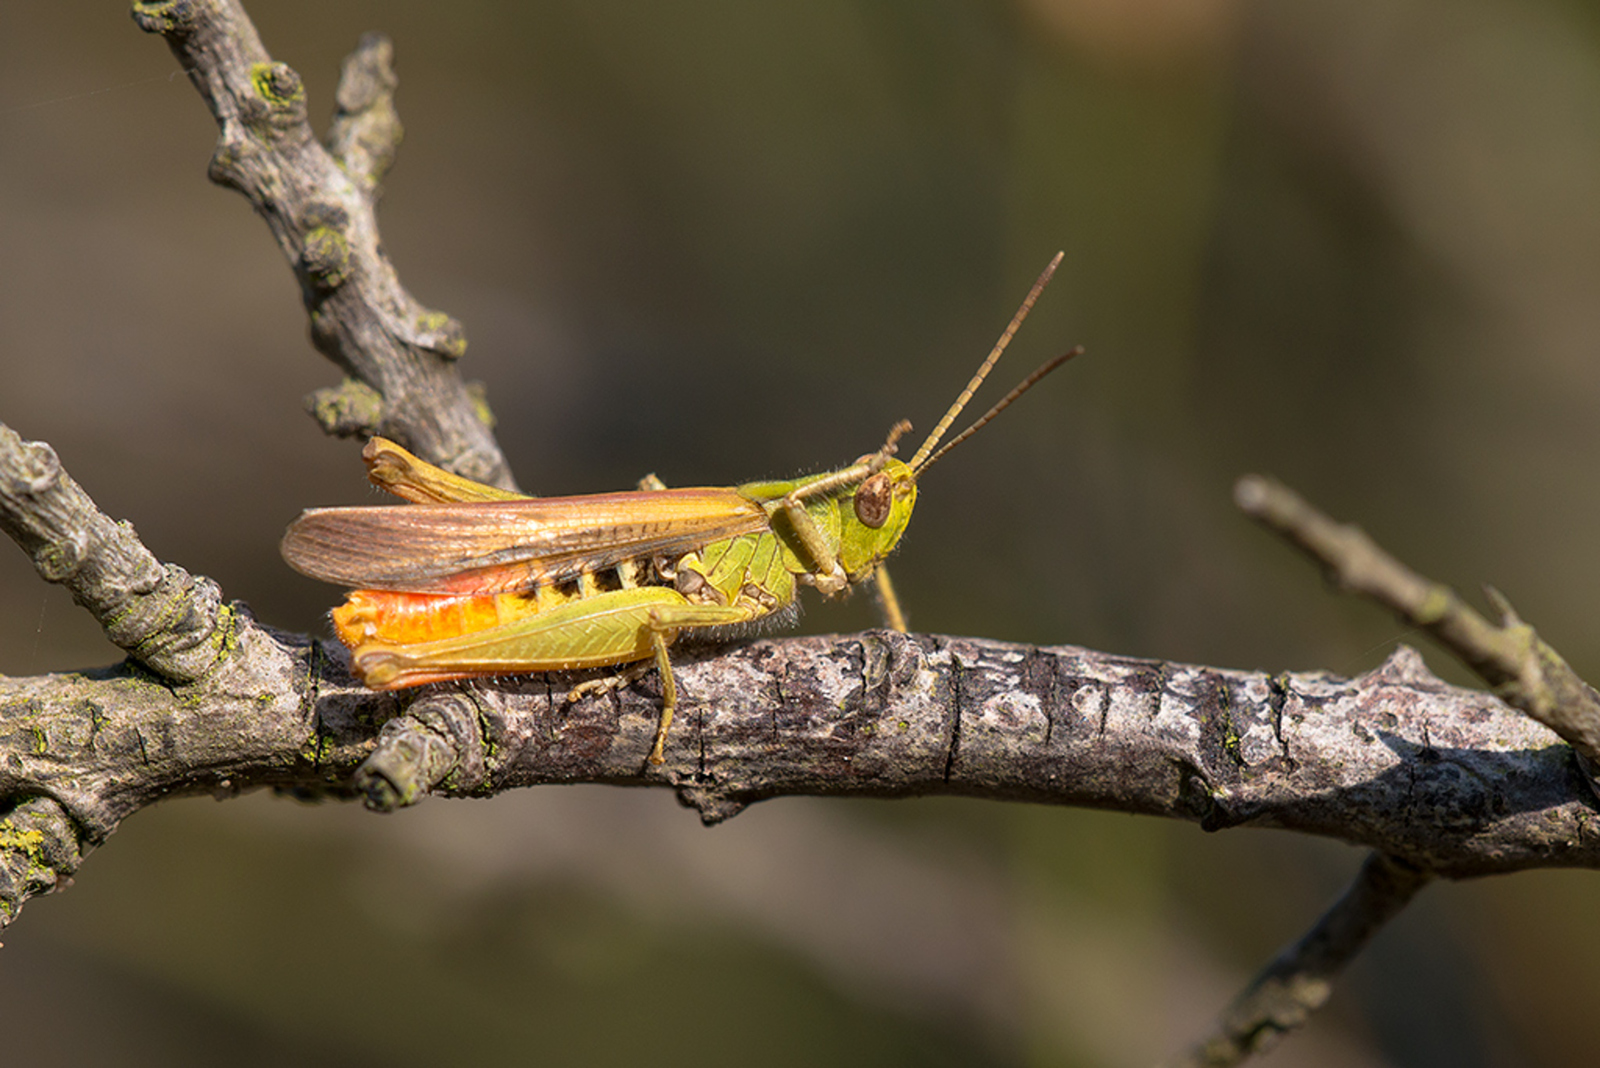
[[395, 618]]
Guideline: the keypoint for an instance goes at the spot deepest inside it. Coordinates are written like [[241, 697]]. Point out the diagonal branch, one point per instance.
[[319, 206], [1282, 998], [165, 618]]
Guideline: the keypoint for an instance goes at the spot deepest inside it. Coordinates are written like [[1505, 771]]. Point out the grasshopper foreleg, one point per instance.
[[888, 603], [827, 576]]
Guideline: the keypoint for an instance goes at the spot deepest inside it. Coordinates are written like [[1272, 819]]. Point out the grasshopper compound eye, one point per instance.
[[872, 501]]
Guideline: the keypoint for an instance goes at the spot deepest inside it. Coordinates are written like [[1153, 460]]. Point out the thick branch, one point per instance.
[[320, 207], [1451, 781]]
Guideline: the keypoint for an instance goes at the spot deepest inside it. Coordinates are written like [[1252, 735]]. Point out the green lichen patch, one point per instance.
[[277, 84], [326, 257], [478, 395], [439, 333], [350, 408], [28, 841], [1231, 742], [22, 855], [315, 748], [491, 747], [226, 632]]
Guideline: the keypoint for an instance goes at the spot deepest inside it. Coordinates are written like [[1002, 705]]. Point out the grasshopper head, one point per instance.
[[880, 508], [882, 501]]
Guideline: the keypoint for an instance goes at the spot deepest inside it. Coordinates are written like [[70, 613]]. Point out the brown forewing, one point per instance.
[[504, 546]]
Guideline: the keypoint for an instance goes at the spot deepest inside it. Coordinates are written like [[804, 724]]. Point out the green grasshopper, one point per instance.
[[469, 580]]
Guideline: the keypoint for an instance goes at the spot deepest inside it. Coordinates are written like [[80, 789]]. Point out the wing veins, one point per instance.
[[505, 546]]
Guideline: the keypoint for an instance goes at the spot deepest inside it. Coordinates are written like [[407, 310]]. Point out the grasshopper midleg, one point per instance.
[[470, 581]]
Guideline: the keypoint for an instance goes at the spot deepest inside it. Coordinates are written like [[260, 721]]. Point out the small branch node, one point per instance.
[[434, 331], [365, 134], [170, 18], [714, 807], [1502, 607], [36, 471], [351, 409], [39, 852], [280, 109], [181, 630], [438, 742], [325, 258]]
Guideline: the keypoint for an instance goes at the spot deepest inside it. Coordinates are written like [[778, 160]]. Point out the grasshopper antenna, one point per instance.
[[920, 460], [1001, 405]]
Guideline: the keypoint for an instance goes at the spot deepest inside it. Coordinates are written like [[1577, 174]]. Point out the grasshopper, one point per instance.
[[469, 580]]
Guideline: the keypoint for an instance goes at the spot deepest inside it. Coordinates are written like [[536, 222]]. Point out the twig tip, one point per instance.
[[1250, 493]]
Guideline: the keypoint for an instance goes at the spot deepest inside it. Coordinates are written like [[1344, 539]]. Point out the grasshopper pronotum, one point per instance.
[[470, 580]]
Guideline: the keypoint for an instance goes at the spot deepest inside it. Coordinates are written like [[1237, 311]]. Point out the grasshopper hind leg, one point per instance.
[[669, 696], [660, 625], [632, 673]]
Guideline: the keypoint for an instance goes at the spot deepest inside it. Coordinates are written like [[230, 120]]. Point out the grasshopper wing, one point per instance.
[[505, 546]]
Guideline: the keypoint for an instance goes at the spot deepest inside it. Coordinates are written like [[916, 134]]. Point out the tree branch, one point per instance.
[[1450, 781], [319, 205], [165, 618]]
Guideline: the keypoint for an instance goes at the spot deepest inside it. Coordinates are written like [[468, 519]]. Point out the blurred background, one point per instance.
[[1354, 244]]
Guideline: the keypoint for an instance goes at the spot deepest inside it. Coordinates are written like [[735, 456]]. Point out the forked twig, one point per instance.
[[1520, 667]]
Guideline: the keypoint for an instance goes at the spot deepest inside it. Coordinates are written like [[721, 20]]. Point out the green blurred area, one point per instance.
[[1351, 244]]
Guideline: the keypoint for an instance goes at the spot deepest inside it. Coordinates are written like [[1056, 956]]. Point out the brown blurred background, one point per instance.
[[1354, 244]]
